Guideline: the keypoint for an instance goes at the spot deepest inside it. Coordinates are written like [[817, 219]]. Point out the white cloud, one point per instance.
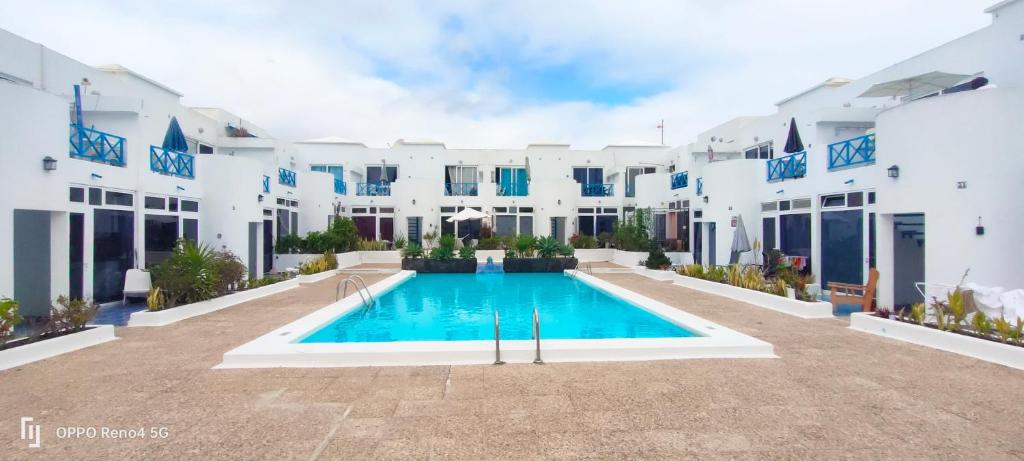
[[311, 71]]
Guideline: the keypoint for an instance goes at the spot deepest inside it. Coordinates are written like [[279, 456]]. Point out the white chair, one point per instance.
[[136, 284]]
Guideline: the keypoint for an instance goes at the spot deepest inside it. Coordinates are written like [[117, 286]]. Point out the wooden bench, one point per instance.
[[848, 293]]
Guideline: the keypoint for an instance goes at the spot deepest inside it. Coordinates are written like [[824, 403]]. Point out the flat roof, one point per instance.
[[119, 69]]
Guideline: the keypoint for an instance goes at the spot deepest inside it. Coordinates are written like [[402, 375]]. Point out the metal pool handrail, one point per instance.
[[352, 279], [497, 340], [536, 335]]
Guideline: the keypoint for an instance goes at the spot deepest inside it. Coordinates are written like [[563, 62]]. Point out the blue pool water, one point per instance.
[[459, 307]]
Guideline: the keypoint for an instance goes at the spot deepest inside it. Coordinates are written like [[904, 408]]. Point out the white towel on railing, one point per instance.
[[1013, 304], [986, 299]]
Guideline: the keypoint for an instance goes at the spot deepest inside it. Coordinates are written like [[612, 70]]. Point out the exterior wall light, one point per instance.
[[259, 198], [894, 171], [705, 199], [49, 163]]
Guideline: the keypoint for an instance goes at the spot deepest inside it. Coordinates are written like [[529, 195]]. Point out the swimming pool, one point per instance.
[[460, 307], [448, 319]]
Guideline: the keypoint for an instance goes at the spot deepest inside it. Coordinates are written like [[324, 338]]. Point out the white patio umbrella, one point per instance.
[[527, 167], [467, 214], [740, 243], [918, 85]]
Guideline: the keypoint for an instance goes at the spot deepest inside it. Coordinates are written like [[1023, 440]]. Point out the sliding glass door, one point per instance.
[[113, 234]]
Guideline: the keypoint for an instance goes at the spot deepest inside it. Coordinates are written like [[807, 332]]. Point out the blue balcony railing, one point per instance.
[[286, 177], [854, 152], [512, 190], [96, 146], [596, 190], [788, 167], [470, 189], [680, 180], [266, 184], [700, 185], [339, 187], [172, 163], [373, 189]]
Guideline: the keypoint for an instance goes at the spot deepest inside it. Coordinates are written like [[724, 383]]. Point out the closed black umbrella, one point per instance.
[[793, 142]]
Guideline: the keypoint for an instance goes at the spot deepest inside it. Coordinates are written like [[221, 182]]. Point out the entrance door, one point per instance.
[[698, 242], [907, 258], [31, 255], [842, 247], [558, 229], [268, 245], [387, 229], [113, 254], [254, 232], [367, 226], [76, 256], [711, 244]]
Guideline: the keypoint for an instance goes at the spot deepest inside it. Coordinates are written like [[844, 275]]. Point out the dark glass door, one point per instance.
[[113, 253], [698, 243], [161, 235], [268, 245], [76, 255], [367, 226], [387, 229], [842, 247], [711, 244]]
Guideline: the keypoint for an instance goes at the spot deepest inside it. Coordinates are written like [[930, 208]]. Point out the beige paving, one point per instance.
[[833, 393]]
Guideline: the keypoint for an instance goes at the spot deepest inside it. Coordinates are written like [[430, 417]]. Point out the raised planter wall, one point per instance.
[[628, 258], [514, 265], [53, 347], [431, 266], [802, 309], [380, 257], [594, 254], [989, 351], [179, 313]]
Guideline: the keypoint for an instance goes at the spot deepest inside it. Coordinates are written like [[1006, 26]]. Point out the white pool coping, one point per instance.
[[278, 349], [44, 349]]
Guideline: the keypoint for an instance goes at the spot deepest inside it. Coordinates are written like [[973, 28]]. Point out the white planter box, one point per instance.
[[313, 278], [56, 346], [656, 274], [989, 351], [179, 313], [348, 259], [585, 255], [628, 258], [794, 307]]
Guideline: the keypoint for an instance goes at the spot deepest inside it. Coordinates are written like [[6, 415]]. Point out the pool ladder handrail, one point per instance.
[[497, 340], [352, 279], [586, 268], [536, 335]]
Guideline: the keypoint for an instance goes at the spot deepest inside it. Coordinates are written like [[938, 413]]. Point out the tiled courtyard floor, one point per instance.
[[832, 393]]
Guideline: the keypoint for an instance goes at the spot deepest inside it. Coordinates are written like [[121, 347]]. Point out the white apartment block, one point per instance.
[[919, 187]]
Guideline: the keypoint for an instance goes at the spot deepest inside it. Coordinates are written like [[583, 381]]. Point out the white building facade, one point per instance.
[[114, 199]]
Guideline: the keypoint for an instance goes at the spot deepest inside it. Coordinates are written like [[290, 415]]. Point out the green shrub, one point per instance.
[[343, 235], [371, 245], [510, 253], [442, 253], [525, 245], [547, 247], [981, 324], [74, 313], [447, 240], [9, 318], [288, 243], [582, 241], [566, 251], [489, 243], [325, 262], [188, 275], [230, 272], [467, 252], [604, 240], [656, 258], [414, 250], [400, 242], [262, 282]]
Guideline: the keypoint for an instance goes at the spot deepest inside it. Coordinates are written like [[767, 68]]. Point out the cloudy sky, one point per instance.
[[493, 74]]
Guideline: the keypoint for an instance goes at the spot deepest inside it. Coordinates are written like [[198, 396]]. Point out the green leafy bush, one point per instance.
[[74, 314], [566, 250], [547, 247], [400, 242], [445, 249], [467, 252], [656, 258], [489, 243], [371, 245], [288, 243], [9, 318], [510, 253], [981, 324], [414, 250], [525, 245], [325, 262], [230, 272], [582, 241], [188, 275]]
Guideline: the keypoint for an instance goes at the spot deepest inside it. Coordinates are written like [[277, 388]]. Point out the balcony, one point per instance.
[[286, 177], [596, 190], [512, 190], [96, 146], [680, 180], [859, 151], [455, 189], [172, 163], [700, 185], [789, 167], [339, 187], [373, 189], [266, 184]]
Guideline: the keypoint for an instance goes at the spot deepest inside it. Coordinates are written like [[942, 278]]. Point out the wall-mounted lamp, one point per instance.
[[259, 198], [705, 199], [180, 188], [893, 171], [49, 163], [780, 191], [97, 176], [413, 201], [559, 201], [848, 182], [979, 230]]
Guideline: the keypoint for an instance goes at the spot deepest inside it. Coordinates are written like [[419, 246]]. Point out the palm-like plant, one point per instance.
[[547, 247]]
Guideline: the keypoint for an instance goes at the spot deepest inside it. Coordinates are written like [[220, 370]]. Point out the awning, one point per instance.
[[918, 85]]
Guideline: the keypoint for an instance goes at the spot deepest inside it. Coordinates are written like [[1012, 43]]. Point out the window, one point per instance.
[[119, 198], [769, 206], [595, 221], [155, 203], [172, 204], [855, 199], [190, 230], [768, 232], [381, 173], [335, 170], [95, 196], [161, 234], [784, 205], [587, 175], [765, 150], [415, 224], [511, 181], [190, 205], [871, 198], [631, 174], [460, 180], [833, 201], [205, 149], [77, 194]]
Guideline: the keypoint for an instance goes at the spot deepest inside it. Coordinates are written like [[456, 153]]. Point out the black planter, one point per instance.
[[434, 266], [512, 265]]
